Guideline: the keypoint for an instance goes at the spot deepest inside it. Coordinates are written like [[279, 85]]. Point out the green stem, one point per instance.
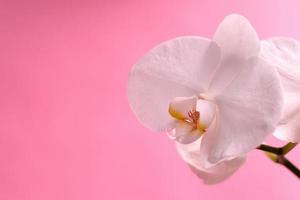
[[290, 166], [278, 150], [270, 149], [288, 147], [277, 154]]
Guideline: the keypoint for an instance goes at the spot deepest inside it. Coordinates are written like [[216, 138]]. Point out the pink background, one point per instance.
[[66, 131]]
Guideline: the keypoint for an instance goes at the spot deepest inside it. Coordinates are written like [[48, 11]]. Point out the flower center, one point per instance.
[[188, 110], [194, 117]]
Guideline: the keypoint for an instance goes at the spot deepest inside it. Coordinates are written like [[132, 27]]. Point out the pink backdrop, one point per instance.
[[66, 131]]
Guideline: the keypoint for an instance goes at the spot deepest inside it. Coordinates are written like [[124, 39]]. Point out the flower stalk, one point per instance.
[[277, 154]]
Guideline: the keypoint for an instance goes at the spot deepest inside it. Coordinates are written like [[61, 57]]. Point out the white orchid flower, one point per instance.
[[217, 97], [284, 53]]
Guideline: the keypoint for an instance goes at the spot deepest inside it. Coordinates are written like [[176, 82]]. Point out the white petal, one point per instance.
[[289, 126], [185, 133], [224, 75], [177, 68], [180, 107], [290, 131], [249, 109], [236, 37], [190, 153], [207, 112], [284, 53], [238, 42]]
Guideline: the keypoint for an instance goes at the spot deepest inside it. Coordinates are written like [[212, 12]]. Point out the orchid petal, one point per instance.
[[236, 37], [238, 41], [289, 131], [177, 68], [249, 109], [284, 53], [228, 70], [207, 113], [190, 153]]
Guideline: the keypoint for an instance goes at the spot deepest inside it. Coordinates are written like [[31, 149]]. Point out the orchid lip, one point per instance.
[[193, 118], [191, 115]]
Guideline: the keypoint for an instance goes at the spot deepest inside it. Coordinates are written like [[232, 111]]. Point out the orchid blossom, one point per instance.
[[284, 54], [218, 99]]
